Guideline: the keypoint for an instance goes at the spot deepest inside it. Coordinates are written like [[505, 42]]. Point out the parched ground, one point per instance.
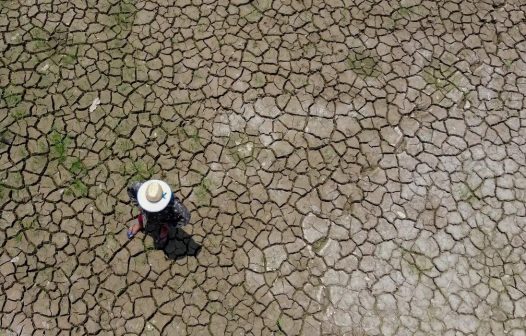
[[352, 167]]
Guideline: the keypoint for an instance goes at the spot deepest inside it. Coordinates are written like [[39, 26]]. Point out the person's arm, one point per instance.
[[133, 189], [182, 213]]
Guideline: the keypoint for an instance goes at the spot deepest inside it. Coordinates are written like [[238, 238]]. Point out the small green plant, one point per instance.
[[110, 245], [201, 28], [77, 188], [47, 79], [440, 75], [407, 13], [18, 237], [77, 167], [124, 88], [124, 20], [58, 40], [42, 145], [419, 264], [124, 145], [59, 145], [328, 153], [259, 79], [262, 5], [279, 324], [192, 134], [128, 73], [68, 59], [38, 33], [464, 193], [196, 140], [508, 63], [401, 13], [19, 112], [140, 171], [363, 63], [40, 45], [319, 244], [29, 224], [17, 178], [124, 15], [12, 96], [202, 191], [253, 15], [13, 100], [346, 16]]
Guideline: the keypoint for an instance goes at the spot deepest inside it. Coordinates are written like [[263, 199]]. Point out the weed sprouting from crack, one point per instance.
[[202, 191], [77, 188], [363, 62], [404, 14], [19, 236], [12, 96], [19, 112], [77, 167], [140, 171], [123, 15], [441, 76], [29, 223], [59, 145], [279, 324], [3, 192], [189, 135], [319, 244]]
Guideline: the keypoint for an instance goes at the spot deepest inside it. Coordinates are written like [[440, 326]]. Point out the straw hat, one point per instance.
[[154, 195]]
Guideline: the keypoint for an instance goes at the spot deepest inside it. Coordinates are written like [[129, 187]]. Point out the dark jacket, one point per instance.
[[175, 214]]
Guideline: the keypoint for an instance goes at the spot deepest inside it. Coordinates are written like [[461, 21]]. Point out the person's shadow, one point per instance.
[[180, 244]]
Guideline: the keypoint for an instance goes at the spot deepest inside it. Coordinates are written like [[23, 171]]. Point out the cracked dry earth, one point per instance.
[[352, 168]]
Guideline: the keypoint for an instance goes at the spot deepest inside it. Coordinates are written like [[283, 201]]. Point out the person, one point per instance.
[[158, 206]]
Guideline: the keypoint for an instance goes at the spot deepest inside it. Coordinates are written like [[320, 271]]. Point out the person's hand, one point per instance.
[[135, 227]]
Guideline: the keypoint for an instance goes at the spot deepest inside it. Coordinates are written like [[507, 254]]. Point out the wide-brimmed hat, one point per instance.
[[154, 195]]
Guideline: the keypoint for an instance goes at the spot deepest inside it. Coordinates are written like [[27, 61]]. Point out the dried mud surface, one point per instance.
[[352, 167]]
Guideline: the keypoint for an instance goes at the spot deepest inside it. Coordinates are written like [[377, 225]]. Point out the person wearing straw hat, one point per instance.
[[158, 206]]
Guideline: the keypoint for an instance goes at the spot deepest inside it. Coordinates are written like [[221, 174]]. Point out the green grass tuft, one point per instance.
[[28, 223], [68, 59], [59, 145], [441, 76], [13, 100], [19, 112], [123, 14], [77, 188], [18, 237], [77, 167], [363, 63], [202, 191], [319, 244]]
